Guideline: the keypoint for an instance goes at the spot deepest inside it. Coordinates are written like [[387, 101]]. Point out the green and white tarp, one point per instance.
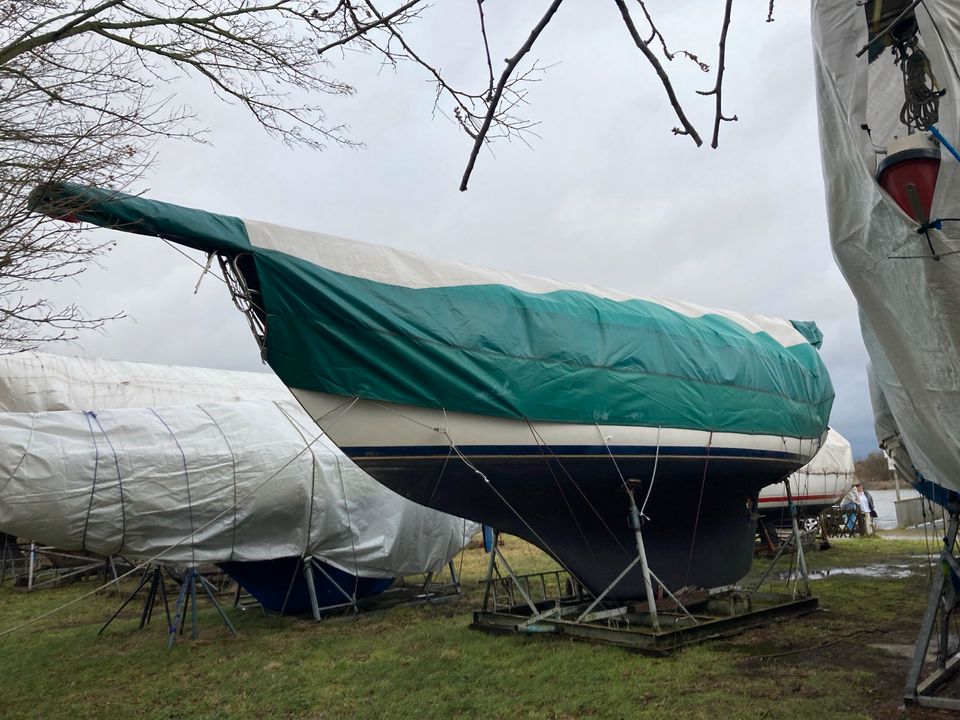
[[354, 319]]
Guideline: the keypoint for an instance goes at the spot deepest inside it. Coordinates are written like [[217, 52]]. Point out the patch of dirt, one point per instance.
[[880, 656]]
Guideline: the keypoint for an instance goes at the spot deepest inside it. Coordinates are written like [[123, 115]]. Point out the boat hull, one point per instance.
[[563, 487], [280, 585]]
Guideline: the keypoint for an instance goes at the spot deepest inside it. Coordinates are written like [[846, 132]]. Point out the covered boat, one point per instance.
[[888, 91], [245, 484], [537, 407], [817, 485]]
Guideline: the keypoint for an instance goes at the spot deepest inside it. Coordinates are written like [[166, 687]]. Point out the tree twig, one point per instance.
[[718, 87], [688, 128], [494, 102]]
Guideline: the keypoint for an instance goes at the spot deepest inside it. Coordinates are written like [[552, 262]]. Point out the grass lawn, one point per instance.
[[424, 662]]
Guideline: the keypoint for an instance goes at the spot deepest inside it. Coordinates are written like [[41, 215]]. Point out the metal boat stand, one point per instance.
[[555, 602], [186, 600], [31, 566], [310, 564], [943, 602], [13, 561], [408, 590], [795, 541]]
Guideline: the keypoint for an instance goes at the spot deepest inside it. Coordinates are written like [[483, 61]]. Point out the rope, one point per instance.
[[464, 540], [556, 481], [610, 453], [205, 268], [921, 105], [576, 485], [343, 492], [506, 502], [443, 469], [835, 641], [696, 520], [653, 475], [353, 545], [313, 476]]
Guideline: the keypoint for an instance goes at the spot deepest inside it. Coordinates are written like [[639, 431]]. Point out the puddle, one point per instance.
[[892, 571], [902, 650]]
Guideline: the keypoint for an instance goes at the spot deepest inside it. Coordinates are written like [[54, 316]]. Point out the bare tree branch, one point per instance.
[[494, 101], [80, 102], [718, 87], [688, 128], [656, 34]]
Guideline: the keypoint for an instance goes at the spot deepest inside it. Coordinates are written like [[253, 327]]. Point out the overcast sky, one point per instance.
[[605, 195]]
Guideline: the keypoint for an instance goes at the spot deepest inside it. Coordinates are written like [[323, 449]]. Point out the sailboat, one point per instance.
[[548, 410], [816, 486], [186, 466]]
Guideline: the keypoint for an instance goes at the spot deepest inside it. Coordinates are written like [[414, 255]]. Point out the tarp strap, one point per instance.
[[123, 507], [186, 479], [233, 461], [93, 485]]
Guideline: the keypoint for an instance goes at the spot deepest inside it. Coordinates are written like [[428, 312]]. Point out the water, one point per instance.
[[883, 502], [896, 571]]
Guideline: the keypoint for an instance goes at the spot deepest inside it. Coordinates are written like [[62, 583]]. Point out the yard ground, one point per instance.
[[848, 660]]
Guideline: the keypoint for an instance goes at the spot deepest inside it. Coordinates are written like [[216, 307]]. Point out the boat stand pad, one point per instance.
[[717, 615]]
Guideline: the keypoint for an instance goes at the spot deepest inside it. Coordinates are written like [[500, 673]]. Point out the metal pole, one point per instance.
[[3, 559], [209, 589], [933, 604], [311, 588], [352, 598], [455, 577], [33, 560], [195, 630], [801, 561], [599, 598], [490, 564], [516, 581], [642, 553]]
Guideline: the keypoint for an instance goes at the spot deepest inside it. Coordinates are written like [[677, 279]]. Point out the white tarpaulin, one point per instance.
[[909, 301], [226, 480], [33, 382], [821, 481], [209, 483]]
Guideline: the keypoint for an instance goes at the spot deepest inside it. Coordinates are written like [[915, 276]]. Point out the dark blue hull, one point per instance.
[[699, 527], [281, 586]]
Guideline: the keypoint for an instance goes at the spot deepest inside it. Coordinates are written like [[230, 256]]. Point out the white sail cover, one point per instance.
[[207, 482], [821, 481], [909, 302]]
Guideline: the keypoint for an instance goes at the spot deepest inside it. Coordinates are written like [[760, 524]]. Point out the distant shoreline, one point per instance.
[[881, 484]]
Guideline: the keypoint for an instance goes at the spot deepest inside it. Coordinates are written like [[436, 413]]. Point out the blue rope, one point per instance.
[[943, 141]]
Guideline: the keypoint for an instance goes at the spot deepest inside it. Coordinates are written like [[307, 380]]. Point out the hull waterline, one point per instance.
[[562, 487]]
